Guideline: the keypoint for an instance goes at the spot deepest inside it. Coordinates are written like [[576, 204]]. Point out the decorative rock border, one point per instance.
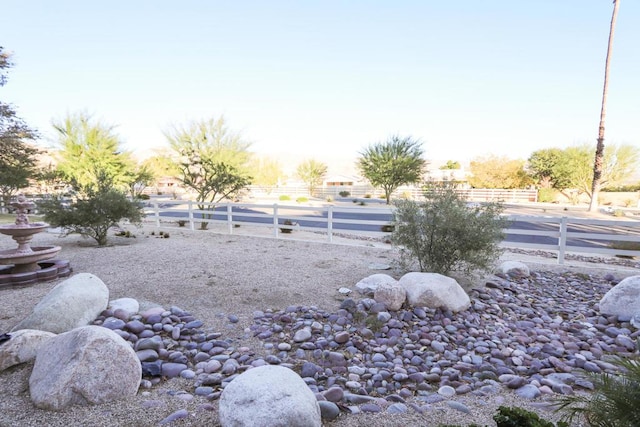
[[528, 334]]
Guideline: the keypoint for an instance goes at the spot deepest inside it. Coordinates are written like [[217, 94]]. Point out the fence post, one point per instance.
[[156, 208], [330, 223], [229, 218], [192, 225], [275, 220], [562, 241]]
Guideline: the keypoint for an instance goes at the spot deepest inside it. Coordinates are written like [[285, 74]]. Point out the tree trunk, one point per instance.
[[597, 164]]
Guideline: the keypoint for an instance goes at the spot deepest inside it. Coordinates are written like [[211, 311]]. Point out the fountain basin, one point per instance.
[[48, 270], [27, 261], [23, 230]]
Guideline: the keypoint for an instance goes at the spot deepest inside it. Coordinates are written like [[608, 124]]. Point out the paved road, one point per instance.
[[314, 219]]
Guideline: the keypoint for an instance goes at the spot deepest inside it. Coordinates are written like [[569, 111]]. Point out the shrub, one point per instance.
[[615, 400], [302, 199], [518, 417], [284, 197], [618, 213], [143, 196], [367, 196], [443, 234], [182, 223], [93, 214], [355, 200], [362, 203], [344, 193], [547, 195]]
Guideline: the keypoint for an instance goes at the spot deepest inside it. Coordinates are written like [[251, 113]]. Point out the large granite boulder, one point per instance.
[[623, 299], [369, 284], [73, 303], [88, 365], [22, 347], [434, 290], [392, 295], [269, 396]]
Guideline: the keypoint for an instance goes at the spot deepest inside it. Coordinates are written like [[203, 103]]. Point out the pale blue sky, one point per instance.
[[323, 79]]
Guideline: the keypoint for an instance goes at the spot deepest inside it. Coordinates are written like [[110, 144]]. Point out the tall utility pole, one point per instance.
[[597, 164]]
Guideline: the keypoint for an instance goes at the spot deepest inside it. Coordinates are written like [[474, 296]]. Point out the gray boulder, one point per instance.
[[269, 396], [128, 305], [368, 285], [392, 295], [623, 299], [88, 365], [434, 290], [75, 302], [22, 347], [514, 269]]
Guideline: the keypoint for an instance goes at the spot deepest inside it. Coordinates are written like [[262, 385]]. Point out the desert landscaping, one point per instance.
[[259, 301]]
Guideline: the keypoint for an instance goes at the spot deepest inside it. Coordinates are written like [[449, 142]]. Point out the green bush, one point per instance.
[[143, 196], [618, 213], [615, 400], [93, 214], [547, 195], [302, 199], [367, 196], [518, 417], [284, 197], [344, 193], [444, 234]]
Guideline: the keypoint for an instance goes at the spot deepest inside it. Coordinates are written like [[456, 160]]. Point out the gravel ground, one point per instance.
[[212, 276]]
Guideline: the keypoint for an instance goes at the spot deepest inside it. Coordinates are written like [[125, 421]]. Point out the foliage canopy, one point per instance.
[[498, 172], [99, 207], [211, 160], [17, 157], [444, 234], [89, 150], [390, 164], [311, 172]]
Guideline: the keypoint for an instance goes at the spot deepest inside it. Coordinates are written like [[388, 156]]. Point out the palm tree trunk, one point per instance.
[[597, 164]]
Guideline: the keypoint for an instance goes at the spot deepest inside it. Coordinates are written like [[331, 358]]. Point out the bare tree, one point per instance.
[[599, 158]]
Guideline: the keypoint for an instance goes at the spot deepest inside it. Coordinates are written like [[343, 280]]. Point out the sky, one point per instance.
[[326, 79]]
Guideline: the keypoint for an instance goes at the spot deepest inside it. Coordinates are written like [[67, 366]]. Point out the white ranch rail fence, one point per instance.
[[559, 234]]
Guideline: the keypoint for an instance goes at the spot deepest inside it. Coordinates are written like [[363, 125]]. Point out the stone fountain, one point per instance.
[[28, 264]]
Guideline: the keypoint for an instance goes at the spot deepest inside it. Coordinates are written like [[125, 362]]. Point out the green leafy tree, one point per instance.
[[572, 168], [267, 172], [161, 165], [311, 172], [212, 161], [542, 167], [390, 164], [89, 149], [98, 208], [498, 172], [443, 234], [139, 178], [598, 164], [17, 156]]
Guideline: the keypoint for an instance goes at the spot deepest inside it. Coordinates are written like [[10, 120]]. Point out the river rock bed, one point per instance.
[[533, 335]]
